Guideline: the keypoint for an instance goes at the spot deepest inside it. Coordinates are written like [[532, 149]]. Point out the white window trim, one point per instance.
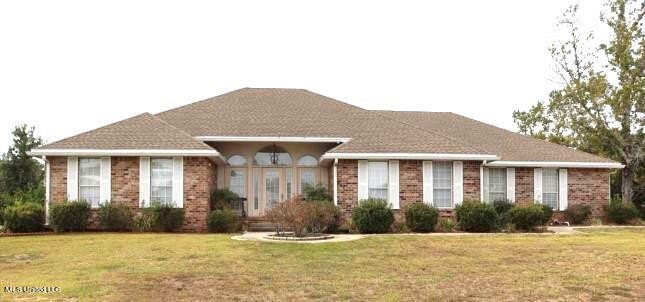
[[387, 176], [80, 187], [451, 187], [172, 180]]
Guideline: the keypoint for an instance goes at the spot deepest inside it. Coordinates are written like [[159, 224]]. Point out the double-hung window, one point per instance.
[[442, 184], [377, 180], [89, 184], [497, 184], [161, 180], [550, 187]]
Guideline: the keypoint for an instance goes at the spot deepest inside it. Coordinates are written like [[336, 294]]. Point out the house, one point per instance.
[[267, 144]]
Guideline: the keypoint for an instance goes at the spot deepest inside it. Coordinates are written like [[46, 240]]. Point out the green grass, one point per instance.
[[600, 265]]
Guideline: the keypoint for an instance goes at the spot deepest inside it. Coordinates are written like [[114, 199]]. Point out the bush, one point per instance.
[[165, 217], [526, 218], [69, 216], [304, 217], [502, 207], [24, 217], [373, 216], [547, 213], [222, 198], [318, 192], [222, 221], [446, 224], [476, 217], [622, 212], [578, 213], [143, 222], [421, 217], [115, 217]]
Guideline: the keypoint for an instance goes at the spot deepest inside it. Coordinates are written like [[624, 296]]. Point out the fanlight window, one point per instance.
[[307, 160], [272, 156], [237, 160]]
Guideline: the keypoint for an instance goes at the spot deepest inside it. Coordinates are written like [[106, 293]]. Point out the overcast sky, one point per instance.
[[71, 66]]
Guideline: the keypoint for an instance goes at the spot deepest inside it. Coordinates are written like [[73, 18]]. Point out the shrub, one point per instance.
[[222, 198], [115, 217], [502, 207], [304, 217], [318, 192], [24, 217], [528, 217], [143, 222], [446, 224], [578, 213], [221, 221], [69, 216], [399, 225], [421, 217], [622, 212], [165, 217], [373, 216], [476, 217], [547, 213]]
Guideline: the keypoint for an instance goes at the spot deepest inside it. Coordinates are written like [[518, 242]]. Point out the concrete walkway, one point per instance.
[[261, 236]]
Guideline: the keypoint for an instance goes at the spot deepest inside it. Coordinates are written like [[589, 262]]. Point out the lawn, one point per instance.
[[599, 265]]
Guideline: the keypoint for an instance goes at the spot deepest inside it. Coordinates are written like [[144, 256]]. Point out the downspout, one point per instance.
[[335, 176]]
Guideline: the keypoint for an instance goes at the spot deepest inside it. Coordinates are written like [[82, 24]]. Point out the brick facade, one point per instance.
[[410, 182], [199, 181], [472, 183], [347, 176], [524, 186], [589, 186]]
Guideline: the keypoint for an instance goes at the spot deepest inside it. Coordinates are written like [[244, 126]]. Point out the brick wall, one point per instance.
[[589, 186], [472, 183], [199, 181], [410, 182], [347, 175], [524, 186]]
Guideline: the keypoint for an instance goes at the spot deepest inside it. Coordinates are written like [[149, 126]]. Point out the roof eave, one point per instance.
[[558, 164], [417, 156], [125, 152]]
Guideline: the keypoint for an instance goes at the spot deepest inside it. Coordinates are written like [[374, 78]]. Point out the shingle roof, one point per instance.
[[144, 131], [300, 113], [510, 146]]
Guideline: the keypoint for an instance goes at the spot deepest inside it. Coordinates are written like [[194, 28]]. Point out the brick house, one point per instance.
[[267, 144]]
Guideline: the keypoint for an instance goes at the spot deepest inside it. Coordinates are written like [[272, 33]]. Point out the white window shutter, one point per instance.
[[427, 182], [563, 186], [510, 184], [537, 185], [485, 198], [362, 180], [106, 180], [72, 178], [144, 181], [178, 181], [458, 182], [393, 184]]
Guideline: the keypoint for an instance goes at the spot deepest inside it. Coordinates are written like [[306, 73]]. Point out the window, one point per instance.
[[442, 184], [307, 179], [272, 156], [307, 160], [497, 184], [89, 184], [238, 182], [161, 180], [377, 182], [237, 160], [550, 187]]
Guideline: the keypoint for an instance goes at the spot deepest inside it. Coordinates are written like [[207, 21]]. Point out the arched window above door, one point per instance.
[[237, 160], [307, 160], [272, 156]]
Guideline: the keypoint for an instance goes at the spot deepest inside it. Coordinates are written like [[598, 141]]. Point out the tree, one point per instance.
[[600, 106], [20, 172]]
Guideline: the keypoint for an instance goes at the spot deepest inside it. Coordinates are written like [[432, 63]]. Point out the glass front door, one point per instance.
[[272, 194]]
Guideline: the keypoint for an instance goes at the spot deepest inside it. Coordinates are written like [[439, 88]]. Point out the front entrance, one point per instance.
[[272, 189]]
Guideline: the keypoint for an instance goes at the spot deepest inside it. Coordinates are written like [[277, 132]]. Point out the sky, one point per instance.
[[71, 66]]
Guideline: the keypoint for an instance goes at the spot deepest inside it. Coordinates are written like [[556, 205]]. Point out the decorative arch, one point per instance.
[[272, 156], [236, 160]]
